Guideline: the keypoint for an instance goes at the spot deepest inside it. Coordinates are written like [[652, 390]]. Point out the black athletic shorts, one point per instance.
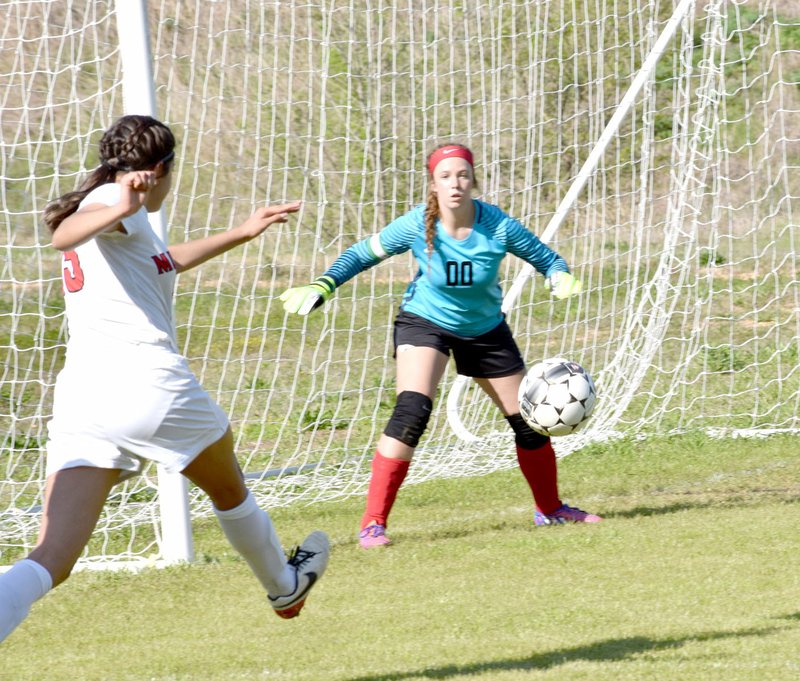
[[490, 355]]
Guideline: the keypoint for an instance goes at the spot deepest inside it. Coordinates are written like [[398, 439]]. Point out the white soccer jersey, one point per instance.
[[119, 286], [125, 395]]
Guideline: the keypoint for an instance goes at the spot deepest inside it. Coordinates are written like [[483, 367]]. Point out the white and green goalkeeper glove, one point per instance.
[[303, 299], [563, 285]]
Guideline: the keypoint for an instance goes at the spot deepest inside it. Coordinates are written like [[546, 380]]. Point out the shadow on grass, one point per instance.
[[693, 502], [667, 509], [610, 650]]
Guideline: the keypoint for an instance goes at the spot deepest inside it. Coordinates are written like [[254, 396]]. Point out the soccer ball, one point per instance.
[[556, 397]]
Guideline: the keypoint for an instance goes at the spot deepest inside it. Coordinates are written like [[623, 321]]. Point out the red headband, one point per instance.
[[450, 151]]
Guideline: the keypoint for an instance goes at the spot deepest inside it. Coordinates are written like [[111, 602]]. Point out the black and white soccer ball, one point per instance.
[[557, 397]]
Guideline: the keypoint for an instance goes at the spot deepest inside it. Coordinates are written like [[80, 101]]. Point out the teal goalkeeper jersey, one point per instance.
[[458, 286]]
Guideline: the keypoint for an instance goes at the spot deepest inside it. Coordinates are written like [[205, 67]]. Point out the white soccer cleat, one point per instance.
[[308, 561]]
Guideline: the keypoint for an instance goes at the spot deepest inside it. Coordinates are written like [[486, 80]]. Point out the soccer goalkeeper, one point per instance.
[[453, 305]]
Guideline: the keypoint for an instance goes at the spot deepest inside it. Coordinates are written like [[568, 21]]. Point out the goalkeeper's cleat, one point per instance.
[[372, 536], [308, 561], [564, 514]]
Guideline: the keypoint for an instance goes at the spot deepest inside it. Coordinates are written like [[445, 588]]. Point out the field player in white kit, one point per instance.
[[125, 395]]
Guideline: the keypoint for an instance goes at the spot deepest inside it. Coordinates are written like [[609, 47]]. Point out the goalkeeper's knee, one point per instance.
[[409, 418], [525, 436]]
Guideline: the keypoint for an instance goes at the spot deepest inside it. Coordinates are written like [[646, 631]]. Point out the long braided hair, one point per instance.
[[432, 203], [131, 143]]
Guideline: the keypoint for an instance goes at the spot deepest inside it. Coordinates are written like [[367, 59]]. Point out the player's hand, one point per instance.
[[563, 285], [266, 216], [135, 186], [303, 299]]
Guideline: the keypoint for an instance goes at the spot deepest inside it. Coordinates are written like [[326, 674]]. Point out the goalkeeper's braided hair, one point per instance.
[[131, 143], [431, 216]]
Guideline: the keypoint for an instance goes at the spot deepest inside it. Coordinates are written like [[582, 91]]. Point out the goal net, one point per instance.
[[685, 235]]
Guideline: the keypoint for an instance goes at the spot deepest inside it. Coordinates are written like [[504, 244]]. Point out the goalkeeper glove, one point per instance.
[[563, 285], [303, 299]]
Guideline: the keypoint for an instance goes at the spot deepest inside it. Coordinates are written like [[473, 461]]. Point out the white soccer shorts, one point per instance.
[[124, 411]]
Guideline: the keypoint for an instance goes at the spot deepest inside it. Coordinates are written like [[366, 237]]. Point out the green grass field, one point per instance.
[[694, 575]]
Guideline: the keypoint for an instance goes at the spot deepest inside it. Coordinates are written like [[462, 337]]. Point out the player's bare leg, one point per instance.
[[504, 391], [74, 498], [217, 472]]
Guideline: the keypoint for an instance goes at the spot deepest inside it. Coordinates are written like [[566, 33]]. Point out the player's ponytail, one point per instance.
[[61, 208], [131, 143]]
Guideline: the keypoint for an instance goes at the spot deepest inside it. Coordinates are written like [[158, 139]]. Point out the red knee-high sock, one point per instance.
[[540, 470], [387, 476]]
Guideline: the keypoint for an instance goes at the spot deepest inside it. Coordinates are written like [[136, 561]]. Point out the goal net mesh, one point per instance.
[[685, 236]]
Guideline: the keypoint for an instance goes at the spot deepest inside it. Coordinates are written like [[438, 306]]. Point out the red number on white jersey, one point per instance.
[[73, 274]]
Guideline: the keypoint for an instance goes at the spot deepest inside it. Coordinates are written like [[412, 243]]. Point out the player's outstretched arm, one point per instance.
[[193, 253], [357, 258]]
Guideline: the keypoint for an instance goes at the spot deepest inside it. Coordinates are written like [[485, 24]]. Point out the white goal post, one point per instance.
[[681, 221], [138, 90]]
